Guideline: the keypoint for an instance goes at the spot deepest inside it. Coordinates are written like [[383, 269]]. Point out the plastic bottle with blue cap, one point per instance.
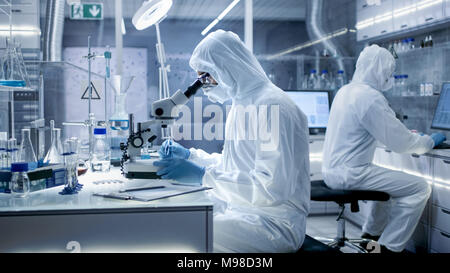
[[340, 79], [101, 158], [20, 183], [324, 81], [313, 80]]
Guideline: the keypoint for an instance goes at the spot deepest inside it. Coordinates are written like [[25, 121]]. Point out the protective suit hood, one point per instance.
[[223, 55], [375, 67]]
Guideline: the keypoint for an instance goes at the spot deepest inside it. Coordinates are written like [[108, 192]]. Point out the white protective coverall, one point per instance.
[[359, 117], [261, 194]]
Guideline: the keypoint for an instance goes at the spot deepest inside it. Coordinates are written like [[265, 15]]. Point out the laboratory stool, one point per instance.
[[311, 245], [322, 193]]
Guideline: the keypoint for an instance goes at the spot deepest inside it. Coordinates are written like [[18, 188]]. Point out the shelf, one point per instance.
[[15, 89], [417, 50], [417, 30]]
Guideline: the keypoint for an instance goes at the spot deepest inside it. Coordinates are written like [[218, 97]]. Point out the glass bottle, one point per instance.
[[54, 153], [20, 184], [26, 151], [340, 80], [324, 82], [101, 158], [313, 80]]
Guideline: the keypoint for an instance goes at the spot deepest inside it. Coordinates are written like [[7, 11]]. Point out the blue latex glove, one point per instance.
[[181, 170], [171, 149], [438, 138]]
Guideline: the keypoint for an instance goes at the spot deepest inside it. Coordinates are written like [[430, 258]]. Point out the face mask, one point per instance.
[[208, 87], [388, 84], [216, 94], [213, 91]]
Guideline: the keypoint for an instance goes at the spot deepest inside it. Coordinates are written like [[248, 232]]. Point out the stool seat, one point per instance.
[[321, 192]]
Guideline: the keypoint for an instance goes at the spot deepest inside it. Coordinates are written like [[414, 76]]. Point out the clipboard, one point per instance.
[[136, 197]]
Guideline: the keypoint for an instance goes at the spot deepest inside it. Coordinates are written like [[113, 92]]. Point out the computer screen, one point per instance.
[[315, 105], [441, 118]]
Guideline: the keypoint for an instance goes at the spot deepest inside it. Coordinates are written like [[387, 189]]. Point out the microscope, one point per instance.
[[164, 112]]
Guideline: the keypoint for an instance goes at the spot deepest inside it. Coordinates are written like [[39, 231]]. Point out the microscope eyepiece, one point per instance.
[[192, 90]]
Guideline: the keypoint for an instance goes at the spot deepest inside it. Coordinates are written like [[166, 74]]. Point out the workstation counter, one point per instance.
[[433, 232], [46, 221]]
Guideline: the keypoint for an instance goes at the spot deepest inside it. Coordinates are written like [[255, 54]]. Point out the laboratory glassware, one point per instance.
[[13, 71], [20, 184], [324, 81], [26, 151], [70, 164], [313, 80], [119, 119], [11, 152], [116, 152], [3, 142], [340, 79], [404, 86], [101, 158], [54, 154]]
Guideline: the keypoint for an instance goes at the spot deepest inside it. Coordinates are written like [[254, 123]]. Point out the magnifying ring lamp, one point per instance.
[[150, 13]]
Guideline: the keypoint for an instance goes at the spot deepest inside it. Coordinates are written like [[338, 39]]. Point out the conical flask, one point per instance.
[[26, 151], [13, 71], [54, 153]]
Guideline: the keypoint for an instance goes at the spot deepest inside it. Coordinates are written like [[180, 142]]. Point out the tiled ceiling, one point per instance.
[[282, 10]]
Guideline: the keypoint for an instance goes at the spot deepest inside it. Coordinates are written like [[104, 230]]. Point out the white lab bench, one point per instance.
[[433, 232], [46, 221]]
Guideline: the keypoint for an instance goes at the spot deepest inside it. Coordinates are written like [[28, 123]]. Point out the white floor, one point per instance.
[[326, 227]]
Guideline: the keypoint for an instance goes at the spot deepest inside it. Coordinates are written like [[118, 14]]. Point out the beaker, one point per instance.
[[119, 119]]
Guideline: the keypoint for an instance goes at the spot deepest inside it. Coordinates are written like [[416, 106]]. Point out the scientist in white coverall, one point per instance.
[[261, 191], [359, 117]]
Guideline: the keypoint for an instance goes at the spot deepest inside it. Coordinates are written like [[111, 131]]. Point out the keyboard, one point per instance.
[[443, 146]]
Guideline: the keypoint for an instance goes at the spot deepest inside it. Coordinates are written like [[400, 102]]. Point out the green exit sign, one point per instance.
[[86, 11]]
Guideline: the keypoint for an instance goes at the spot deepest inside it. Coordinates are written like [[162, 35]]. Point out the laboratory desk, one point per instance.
[[46, 221]]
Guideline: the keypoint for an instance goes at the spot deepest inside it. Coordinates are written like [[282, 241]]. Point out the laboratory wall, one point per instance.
[[180, 38], [423, 66]]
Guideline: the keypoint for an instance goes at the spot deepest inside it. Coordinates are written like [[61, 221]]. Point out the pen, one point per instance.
[[143, 189]]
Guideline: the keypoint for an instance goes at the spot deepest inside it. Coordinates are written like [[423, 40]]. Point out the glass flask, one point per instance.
[[13, 71], [119, 119], [26, 151], [54, 153]]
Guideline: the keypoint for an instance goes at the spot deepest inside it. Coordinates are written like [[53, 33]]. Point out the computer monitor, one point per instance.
[[441, 120], [315, 105]]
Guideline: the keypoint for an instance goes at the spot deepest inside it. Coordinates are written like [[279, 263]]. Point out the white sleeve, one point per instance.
[[381, 123], [205, 159], [273, 179]]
